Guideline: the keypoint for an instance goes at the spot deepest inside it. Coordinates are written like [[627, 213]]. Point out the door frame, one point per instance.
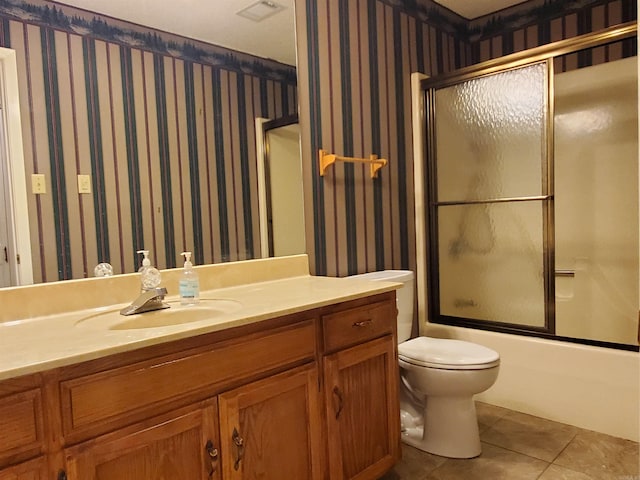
[[19, 234], [263, 125]]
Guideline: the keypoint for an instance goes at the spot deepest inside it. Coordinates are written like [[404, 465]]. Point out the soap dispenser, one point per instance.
[[149, 276], [189, 283]]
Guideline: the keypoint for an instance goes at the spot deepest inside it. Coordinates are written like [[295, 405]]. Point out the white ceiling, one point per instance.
[[212, 21], [471, 9], [215, 21]]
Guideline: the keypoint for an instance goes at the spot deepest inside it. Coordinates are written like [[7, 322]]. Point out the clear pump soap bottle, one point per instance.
[[189, 283], [149, 276]]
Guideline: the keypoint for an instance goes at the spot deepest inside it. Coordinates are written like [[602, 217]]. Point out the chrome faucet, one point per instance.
[[147, 302]]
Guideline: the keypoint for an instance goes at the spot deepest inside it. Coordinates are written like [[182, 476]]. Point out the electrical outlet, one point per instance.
[[84, 183], [38, 183]]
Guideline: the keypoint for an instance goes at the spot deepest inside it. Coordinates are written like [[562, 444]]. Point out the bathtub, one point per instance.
[[589, 387]]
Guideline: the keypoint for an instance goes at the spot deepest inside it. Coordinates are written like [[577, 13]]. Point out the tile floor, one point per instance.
[[516, 446]]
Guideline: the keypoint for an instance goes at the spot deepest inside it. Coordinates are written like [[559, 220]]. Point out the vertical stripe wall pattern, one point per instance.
[[550, 25], [355, 59], [168, 142]]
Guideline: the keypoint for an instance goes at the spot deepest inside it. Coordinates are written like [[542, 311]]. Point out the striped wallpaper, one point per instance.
[[555, 21], [355, 58], [165, 130]]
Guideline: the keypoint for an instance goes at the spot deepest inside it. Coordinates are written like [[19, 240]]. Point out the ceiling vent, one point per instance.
[[260, 10]]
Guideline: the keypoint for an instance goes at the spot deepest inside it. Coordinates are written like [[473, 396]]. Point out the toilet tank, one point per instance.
[[404, 296]]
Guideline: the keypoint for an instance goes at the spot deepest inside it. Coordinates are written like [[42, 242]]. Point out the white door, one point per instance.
[[286, 220], [5, 209], [15, 240], [280, 196]]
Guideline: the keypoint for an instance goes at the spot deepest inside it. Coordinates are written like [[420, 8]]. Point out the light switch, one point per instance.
[[84, 183], [38, 184]]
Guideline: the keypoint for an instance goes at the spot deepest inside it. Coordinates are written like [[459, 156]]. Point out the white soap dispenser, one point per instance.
[[189, 282], [149, 276]]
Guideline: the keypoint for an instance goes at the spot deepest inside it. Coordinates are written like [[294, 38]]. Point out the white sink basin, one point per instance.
[[207, 309]]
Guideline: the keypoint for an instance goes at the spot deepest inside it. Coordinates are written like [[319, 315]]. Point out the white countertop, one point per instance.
[[41, 343]]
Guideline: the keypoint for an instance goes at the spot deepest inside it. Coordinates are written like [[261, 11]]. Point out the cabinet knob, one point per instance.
[[239, 443], [62, 475], [211, 450], [213, 456]]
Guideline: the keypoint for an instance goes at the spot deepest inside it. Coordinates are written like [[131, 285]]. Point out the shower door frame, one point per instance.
[[544, 54]]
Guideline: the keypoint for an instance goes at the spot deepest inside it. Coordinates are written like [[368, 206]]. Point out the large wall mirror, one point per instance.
[[134, 138]]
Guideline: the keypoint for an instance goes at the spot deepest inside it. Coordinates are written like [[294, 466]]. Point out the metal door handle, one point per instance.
[[239, 442], [362, 323], [213, 457], [338, 394]]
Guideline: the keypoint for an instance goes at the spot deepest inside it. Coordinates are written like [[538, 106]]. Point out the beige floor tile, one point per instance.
[[555, 472], [488, 415], [495, 463], [415, 465], [529, 435], [601, 456]]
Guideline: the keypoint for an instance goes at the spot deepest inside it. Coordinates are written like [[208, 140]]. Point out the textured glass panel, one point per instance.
[[490, 135], [491, 262], [596, 202]]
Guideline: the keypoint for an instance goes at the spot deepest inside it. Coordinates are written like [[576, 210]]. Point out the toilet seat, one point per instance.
[[447, 354]]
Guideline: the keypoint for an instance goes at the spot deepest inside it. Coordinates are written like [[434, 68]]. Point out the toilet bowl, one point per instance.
[[438, 379]]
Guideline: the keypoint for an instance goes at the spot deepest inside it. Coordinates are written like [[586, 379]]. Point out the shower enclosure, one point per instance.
[[532, 192]]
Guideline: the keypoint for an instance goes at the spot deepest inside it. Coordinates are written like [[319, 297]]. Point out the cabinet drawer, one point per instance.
[[21, 433], [357, 325], [122, 395]]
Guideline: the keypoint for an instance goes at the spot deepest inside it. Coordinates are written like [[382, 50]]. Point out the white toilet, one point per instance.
[[438, 380]]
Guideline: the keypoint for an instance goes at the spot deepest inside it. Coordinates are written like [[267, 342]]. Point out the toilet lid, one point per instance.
[[447, 353]]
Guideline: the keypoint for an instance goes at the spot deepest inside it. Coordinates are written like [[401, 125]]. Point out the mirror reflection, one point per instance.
[[283, 214], [135, 139]]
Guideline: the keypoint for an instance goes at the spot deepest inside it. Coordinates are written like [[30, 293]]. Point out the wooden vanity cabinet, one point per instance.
[[259, 380], [361, 391], [179, 445], [239, 404], [31, 470], [22, 430], [271, 429]]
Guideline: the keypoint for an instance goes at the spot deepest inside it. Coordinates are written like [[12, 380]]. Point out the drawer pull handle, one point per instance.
[[213, 456], [239, 442], [62, 475], [338, 394], [362, 323]]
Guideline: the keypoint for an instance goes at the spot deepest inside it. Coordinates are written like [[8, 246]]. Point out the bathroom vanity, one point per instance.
[[283, 387]]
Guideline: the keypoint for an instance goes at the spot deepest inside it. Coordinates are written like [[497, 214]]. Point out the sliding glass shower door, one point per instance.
[[533, 192], [596, 202], [490, 199]]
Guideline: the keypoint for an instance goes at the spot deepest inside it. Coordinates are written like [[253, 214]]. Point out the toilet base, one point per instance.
[[450, 428]]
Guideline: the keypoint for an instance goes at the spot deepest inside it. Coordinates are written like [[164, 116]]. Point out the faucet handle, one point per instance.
[[103, 270], [148, 300], [161, 292]]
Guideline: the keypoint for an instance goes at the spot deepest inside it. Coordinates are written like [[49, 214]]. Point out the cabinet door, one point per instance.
[[181, 445], [363, 419], [33, 470], [270, 429]]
